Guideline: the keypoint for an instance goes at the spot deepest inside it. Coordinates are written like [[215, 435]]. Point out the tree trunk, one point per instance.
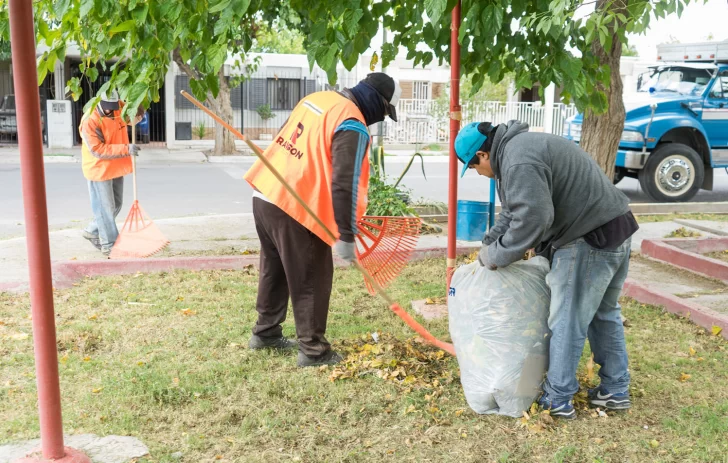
[[600, 134], [224, 140]]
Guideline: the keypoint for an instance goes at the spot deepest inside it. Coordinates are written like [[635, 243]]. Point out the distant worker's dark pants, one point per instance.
[[295, 262]]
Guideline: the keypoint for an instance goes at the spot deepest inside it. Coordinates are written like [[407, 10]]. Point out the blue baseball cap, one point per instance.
[[467, 144]]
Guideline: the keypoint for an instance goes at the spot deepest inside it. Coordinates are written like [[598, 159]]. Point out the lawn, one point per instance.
[[163, 357]]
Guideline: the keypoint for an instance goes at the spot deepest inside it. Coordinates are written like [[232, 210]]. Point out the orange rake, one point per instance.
[[139, 237], [385, 246]]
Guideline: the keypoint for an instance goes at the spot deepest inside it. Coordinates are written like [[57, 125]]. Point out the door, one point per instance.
[[715, 112]]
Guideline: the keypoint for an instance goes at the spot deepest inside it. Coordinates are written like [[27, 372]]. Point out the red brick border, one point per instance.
[[685, 254], [701, 316], [65, 274]]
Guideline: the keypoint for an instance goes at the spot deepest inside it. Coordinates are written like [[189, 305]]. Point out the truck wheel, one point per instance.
[[619, 174], [673, 173]]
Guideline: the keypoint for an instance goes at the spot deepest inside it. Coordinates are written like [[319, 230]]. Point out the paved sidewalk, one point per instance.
[[221, 234]]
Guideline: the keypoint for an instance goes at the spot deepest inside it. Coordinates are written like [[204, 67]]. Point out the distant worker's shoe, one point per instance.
[[93, 239]]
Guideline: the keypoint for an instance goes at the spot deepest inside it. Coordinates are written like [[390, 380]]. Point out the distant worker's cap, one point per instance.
[[387, 87], [110, 100]]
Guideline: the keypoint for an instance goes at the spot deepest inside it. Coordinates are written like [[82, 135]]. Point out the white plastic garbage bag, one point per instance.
[[498, 324]]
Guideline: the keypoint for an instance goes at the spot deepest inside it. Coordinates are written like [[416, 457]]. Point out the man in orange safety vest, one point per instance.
[[105, 153], [322, 152]]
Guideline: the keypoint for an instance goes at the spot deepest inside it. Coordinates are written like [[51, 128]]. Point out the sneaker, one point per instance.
[[329, 358], [93, 239], [599, 397], [563, 410], [280, 343], [105, 251]]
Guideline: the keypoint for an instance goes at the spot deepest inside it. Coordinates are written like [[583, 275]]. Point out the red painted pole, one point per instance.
[[455, 117], [22, 40]]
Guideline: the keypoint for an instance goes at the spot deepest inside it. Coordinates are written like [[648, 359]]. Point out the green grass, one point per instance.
[[669, 217], [135, 361]]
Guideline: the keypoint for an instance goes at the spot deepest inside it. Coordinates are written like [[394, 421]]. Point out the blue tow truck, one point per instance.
[[676, 128]]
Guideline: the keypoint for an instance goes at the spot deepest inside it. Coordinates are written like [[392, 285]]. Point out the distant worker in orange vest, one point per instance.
[[322, 152], [105, 153]]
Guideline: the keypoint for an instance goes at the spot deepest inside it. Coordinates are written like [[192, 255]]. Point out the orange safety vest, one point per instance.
[[301, 152], [104, 146]]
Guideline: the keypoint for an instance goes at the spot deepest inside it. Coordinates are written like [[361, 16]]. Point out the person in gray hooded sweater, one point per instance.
[[554, 198]]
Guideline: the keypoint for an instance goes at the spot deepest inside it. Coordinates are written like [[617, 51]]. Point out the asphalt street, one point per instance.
[[190, 189]]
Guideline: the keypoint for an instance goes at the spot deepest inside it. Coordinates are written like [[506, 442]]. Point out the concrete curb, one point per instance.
[[699, 315], [59, 160], [65, 274], [672, 251], [231, 159], [13, 287]]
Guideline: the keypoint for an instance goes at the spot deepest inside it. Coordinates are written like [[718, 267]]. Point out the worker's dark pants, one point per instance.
[[295, 262]]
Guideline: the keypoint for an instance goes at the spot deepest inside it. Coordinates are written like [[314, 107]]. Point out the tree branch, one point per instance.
[[177, 57]]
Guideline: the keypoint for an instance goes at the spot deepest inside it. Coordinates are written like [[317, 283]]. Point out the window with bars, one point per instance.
[[284, 93], [421, 90]]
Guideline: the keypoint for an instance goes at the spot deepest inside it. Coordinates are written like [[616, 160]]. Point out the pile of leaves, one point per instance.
[[411, 363], [683, 232]]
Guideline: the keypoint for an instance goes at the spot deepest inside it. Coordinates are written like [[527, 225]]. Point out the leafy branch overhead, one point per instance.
[[539, 41], [536, 40]]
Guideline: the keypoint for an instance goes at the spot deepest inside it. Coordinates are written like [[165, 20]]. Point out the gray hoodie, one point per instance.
[[551, 193]]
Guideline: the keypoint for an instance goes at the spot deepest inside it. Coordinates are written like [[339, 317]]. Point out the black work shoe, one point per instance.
[[93, 239], [329, 358], [281, 343]]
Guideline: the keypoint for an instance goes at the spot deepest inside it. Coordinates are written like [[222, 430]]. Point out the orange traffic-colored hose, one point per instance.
[[396, 308]]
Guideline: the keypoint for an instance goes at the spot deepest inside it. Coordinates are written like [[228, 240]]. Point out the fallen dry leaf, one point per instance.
[[97, 390], [654, 444], [691, 351], [19, 336], [87, 359], [93, 317], [684, 377], [187, 312], [590, 369], [716, 330]]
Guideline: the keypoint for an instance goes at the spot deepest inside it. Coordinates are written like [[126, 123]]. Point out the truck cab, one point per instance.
[[676, 127]]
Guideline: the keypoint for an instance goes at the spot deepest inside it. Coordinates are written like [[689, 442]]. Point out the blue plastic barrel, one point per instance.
[[472, 220]]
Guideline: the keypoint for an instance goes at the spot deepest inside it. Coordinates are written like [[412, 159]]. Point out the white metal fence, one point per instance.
[[426, 121]]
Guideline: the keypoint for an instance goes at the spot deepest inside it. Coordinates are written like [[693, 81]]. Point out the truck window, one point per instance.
[[683, 80], [720, 88]]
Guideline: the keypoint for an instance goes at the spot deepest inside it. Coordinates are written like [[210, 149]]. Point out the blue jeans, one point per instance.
[[585, 284], [106, 200]]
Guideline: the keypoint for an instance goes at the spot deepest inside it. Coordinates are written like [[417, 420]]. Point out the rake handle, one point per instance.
[[133, 159], [396, 308]]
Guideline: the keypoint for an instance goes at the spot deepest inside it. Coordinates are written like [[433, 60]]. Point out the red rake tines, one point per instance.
[[385, 246], [139, 237]]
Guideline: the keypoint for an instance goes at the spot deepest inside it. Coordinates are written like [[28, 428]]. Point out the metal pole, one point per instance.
[[455, 117], [30, 142]]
